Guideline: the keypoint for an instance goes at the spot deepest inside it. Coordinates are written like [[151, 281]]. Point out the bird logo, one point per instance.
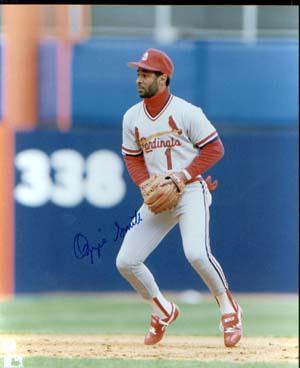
[[173, 126]]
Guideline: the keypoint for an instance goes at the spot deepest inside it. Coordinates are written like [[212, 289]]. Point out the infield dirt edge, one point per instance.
[[122, 346]]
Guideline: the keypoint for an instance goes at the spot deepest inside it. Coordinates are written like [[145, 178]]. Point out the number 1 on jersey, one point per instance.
[[169, 159]]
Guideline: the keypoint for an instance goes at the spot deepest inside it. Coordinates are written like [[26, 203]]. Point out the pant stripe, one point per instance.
[[220, 268], [160, 306], [217, 264], [211, 258]]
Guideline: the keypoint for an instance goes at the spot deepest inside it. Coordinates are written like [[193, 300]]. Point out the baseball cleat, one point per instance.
[[158, 326], [231, 325]]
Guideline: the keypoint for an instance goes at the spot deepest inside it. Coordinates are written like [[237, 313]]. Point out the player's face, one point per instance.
[[147, 83]]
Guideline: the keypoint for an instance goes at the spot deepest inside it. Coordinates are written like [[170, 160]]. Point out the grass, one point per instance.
[[41, 362], [92, 314], [274, 316]]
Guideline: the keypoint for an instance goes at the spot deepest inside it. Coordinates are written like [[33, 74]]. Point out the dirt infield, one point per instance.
[[250, 349]]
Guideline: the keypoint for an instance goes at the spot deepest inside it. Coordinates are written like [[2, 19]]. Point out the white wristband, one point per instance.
[[186, 174]]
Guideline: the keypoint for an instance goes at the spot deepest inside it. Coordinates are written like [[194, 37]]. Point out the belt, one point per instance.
[[198, 178]]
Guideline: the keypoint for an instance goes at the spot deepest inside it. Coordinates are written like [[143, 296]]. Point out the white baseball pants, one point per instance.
[[192, 214]]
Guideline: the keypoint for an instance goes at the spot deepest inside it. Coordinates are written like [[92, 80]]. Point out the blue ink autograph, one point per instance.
[[121, 231], [83, 249]]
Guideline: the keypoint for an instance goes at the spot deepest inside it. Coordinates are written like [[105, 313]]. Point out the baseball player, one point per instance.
[[167, 137]]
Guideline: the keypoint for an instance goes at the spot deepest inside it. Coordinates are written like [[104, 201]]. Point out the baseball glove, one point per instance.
[[162, 192]]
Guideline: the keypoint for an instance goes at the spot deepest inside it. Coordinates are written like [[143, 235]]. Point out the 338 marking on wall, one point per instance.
[[97, 179]]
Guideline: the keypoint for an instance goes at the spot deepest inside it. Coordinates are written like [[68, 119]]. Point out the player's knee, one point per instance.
[[197, 259], [123, 263]]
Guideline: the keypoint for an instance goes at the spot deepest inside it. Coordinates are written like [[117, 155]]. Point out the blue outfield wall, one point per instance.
[[77, 183], [234, 82], [104, 86], [249, 84]]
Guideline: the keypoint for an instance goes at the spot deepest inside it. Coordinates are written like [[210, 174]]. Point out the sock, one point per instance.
[[161, 306], [226, 303]]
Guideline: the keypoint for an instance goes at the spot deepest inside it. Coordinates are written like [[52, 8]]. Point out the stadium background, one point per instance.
[[65, 86]]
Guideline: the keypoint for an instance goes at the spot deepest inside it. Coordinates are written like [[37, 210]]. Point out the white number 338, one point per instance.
[[66, 179]]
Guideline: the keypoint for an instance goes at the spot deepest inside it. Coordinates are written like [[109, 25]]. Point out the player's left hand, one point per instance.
[[162, 192], [178, 178], [211, 185]]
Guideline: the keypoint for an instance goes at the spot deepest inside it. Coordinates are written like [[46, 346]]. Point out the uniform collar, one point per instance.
[[155, 104]]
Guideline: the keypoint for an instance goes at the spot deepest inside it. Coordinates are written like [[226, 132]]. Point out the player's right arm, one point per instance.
[[132, 153]]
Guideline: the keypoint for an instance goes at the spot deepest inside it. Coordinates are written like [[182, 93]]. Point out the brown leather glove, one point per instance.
[[162, 192]]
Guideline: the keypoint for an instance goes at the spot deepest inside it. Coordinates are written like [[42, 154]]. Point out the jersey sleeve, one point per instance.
[[130, 145], [200, 130]]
